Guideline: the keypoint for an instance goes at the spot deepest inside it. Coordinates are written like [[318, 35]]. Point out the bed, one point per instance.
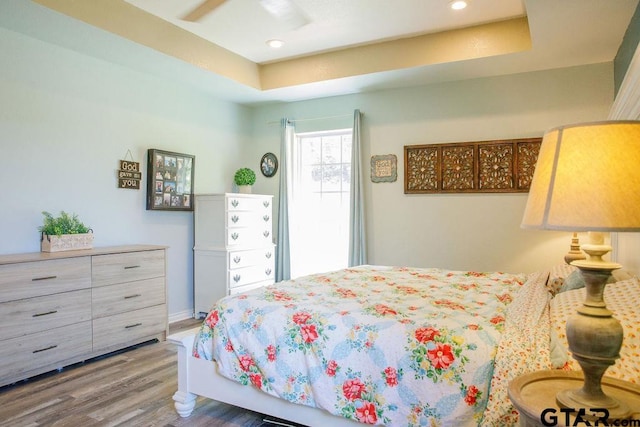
[[374, 345]]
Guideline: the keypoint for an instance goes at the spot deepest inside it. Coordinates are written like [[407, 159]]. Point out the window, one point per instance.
[[319, 217]]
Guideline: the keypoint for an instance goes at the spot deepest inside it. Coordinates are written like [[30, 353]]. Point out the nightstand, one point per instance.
[[534, 396]]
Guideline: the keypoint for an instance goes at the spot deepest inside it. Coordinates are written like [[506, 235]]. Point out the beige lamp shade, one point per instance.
[[587, 178]]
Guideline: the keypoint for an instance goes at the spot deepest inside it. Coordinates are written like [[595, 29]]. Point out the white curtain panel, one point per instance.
[[283, 253], [357, 236]]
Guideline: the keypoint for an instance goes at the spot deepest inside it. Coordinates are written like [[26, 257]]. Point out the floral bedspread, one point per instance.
[[379, 345]]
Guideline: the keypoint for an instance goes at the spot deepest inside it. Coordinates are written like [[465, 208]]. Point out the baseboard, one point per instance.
[[181, 315]]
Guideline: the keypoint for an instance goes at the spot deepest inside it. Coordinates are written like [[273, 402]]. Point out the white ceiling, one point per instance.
[[563, 33], [243, 26]]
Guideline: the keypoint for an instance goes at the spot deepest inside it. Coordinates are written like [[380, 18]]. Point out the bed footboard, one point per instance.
[[199, 377], [184, 400]]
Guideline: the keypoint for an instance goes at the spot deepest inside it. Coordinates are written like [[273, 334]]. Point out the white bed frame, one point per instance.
[[199, 377]]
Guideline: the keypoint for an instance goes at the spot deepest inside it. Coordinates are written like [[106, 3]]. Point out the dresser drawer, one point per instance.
[[253, 203], [47, 348], [30, 279], [239, 236], [112, 299], [241, 259], [28, 316], [127, 267], [249, 287], [253, 219], [245, 276], [130, 327]]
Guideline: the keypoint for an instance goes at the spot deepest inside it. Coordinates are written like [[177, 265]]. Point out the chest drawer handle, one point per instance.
[[266, 203], [129, 267], [268, 255], [237, 259], [51, 347], [234, 203], [45, 314], [235, 236], [266, 233], [132, 296], [236, 278], [133, 326], [267, 271], [35, 279], [266, 218], [235, 219]]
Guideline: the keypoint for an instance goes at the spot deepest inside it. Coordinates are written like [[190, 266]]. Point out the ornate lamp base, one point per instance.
[[595, 339], [575, 399]]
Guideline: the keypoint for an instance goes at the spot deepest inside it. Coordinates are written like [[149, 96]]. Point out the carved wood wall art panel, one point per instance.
[[504, 166], [420, 169]]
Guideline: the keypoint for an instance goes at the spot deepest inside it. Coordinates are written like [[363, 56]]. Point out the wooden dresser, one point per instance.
[[61, 308], [233, 246]]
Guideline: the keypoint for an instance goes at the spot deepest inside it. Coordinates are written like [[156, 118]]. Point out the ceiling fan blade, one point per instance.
[[205, 8], [287, 11]]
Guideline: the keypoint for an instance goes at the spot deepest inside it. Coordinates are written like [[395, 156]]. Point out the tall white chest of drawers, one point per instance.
[[233, 246]]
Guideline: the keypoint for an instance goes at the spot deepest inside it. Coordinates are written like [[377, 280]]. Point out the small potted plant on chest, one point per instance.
[[244, 179], [64, 233]]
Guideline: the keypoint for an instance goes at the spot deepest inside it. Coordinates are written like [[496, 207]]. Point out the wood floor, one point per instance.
[[132, 388]]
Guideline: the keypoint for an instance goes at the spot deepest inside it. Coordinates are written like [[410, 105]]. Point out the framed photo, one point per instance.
[[169, 180], [269, 165]]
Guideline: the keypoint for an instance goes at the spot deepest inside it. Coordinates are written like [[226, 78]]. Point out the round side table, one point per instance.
[[534, 396]]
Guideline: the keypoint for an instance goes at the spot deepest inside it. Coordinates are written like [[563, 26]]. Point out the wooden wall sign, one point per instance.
[[129, 175], [503, 166], [384, 168]]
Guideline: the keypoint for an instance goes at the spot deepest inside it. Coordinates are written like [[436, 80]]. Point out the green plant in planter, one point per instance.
[[63, 224], [244, 176]]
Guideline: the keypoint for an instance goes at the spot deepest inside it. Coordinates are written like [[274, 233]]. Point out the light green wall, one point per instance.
[[480, 231], [66, 120]]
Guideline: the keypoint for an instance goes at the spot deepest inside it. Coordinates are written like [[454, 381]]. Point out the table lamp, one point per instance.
[[587, 178]]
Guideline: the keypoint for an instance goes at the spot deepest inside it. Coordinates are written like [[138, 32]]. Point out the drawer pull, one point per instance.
[[235, 236], [133, 326], [236, 278], [237, 259], [266, 233], [268, 255], [132, 296], [266, 203], [234, 203], [129, 267], [235, 219], [51, 347], [267, 271], [266, 218], [35, 279], [45, 314]]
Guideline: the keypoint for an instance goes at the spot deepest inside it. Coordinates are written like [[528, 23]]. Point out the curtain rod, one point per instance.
[[314, 118]]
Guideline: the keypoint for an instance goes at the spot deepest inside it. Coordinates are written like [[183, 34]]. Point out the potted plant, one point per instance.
[[244, 179], [64, 233]]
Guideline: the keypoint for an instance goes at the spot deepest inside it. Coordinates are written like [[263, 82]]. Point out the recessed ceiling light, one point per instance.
[[275, 43], [458, 4]]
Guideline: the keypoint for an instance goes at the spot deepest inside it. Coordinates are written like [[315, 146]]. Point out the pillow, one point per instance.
[[554, 286], [572, 281], [576, 281], [561, 271], [557, 274]]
